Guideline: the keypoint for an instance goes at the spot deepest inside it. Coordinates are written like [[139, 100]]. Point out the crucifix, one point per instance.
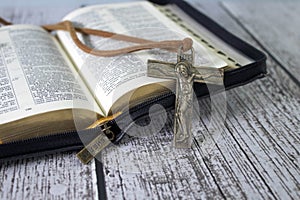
[[185, 74]]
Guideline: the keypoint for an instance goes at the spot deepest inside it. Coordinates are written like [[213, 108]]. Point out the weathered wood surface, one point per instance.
[[58, 176], [256, 156], [275, 24]]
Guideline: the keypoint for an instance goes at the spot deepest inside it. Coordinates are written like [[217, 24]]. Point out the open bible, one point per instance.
[[50, 86]]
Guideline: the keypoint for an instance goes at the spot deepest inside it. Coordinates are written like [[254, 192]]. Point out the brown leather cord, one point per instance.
[[142, 44], [4, 22], [88, 31]]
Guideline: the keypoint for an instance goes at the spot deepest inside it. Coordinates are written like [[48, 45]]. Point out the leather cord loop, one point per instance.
[[141, 44]]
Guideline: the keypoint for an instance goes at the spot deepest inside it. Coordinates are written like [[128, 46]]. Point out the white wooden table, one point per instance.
[[255, 157]]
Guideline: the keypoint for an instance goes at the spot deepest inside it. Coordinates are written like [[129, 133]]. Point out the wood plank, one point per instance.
[[255, 157], [275, 26], [58, 176], [35, 15], [146, 167]]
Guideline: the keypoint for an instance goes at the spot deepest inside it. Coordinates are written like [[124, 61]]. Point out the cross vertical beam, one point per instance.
[[185, 74]]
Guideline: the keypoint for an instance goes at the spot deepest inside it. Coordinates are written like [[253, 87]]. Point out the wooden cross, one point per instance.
[[185, 74]]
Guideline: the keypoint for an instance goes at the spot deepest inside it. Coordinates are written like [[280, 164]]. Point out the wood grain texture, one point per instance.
[[276, 26], [58, 176], [255, 157]]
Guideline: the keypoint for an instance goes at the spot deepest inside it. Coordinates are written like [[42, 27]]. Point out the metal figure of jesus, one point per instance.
[[185, 74]]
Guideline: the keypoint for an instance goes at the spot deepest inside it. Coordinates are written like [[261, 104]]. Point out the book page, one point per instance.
[[110, 78], [219, 44], [35, 75]]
